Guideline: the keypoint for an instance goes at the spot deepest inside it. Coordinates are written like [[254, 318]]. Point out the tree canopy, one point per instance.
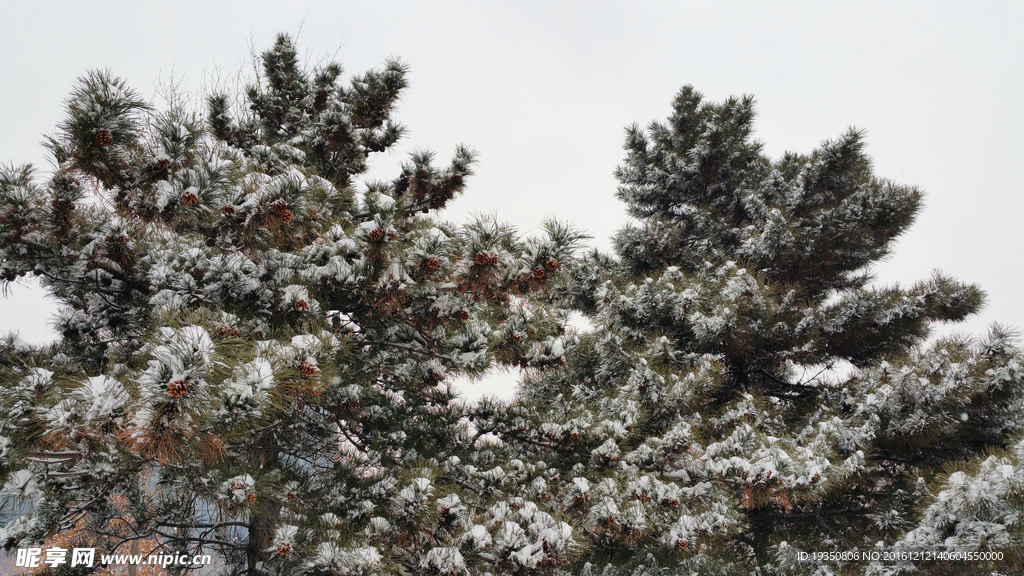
[[259, 343]]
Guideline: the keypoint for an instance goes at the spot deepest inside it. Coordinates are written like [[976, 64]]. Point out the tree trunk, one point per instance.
[[265, 512]]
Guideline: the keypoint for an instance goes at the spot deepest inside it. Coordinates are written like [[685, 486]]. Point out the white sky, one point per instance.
[[544, 91]]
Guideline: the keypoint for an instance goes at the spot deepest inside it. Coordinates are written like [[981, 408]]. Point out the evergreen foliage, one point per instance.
[[257, 352], [258, 346], [748, 395]]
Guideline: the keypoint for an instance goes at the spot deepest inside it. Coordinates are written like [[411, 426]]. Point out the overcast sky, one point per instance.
[[544, 90]]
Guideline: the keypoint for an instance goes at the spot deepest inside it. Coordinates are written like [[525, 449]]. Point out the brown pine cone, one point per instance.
[[177, 388], [301, 305], [552, 264], [463, 315], [539, 273], [433, 262], [104, 138], [189, 198], [279, 206], [163, 163], [482, 258], [286, 217], [284, 548], [307, 368], [250, 498], [392, 235], [376, 235]]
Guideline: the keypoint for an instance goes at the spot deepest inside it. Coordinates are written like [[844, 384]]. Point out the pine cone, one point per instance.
[[122, 238], [683, 544], [673, 502], [552, 264], [228, 210], [286, 217], [284, 548], [104, 138], [279, 207], [482, 258], [433, 262], [220, 332], [250, 498], [307, 368], [163, 163], [539, 273], [463, 315], [177, 388], [189, 198], [493, 258], [516, 336], [376, 235], [320, 102], [561, 361], [392, 235], [301, 305]]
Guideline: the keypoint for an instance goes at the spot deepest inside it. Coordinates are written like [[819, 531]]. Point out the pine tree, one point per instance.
[[257, 351], [749, 395]]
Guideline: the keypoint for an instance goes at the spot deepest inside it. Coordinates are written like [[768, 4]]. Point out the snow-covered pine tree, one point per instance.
[[748, 394], [256, 357]]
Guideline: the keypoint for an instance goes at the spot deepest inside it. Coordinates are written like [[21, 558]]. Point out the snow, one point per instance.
[[359, 560], [284, 534], [383, 202], [444, 560], [103, 395], [22, 483]]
